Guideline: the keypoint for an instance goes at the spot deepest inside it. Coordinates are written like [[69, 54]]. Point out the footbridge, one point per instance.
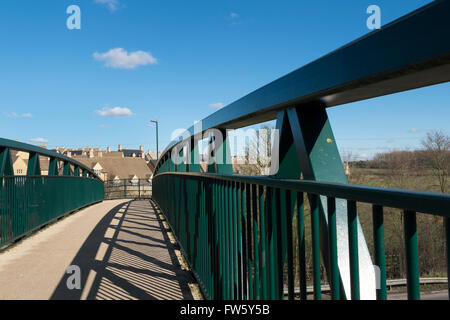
[[242, 237]]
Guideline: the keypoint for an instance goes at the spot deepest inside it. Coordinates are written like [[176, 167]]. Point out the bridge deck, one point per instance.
[[121, 247]]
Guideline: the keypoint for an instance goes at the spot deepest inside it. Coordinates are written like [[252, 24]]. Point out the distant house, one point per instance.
[[123, 164], [20, 163], [117, 168]]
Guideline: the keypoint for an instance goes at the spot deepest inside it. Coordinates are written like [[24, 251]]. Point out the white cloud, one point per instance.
[[217, 105], [233, 15], [112, 5], [364, 155], [38, 140], [23, 115], [414, 130], [114, 112], [120, 59]]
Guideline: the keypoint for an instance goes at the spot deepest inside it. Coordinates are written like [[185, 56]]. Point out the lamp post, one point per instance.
[[157, 146]]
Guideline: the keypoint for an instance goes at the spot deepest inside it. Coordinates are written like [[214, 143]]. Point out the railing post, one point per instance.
[[332, 240], [378, 240], [412, 256], [447, 250]]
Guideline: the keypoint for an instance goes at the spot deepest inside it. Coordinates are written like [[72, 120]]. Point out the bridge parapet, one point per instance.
[[207, 212], [29, 202]]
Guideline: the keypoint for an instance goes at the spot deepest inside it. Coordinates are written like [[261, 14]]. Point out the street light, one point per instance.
[[157, 146]]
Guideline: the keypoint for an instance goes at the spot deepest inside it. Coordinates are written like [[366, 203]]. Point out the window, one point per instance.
[[19, 171]]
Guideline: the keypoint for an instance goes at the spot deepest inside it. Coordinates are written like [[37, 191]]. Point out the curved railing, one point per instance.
[[31, 201], [406, 54]]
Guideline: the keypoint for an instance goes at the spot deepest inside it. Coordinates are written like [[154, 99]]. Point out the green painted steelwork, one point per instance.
[[378, 240], [414, 56], [333, 252], [313, 200], [6, 165], [353, 253], [219, 257], [301, 245], [447, 247], [412, 255], [29, 202]]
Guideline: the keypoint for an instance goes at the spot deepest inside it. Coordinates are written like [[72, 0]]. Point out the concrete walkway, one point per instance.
[[121, 249]]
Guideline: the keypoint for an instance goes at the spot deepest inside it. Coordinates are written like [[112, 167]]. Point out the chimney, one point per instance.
[[69, 154], [142, 148], [91, 153], [100, 154], [109, 149], [119, 148]]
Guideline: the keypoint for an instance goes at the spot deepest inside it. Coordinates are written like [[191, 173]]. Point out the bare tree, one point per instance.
[[348, 158], [258, 153], [437, 145]]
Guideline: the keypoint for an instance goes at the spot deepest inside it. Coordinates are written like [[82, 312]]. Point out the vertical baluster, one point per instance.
[[447, 248], [412, 257], [378, 240], [240, 286], [290, 204], [301, 245], [332, 242], [353, 247], [233, 240], [314, 204], [250, 251], [244, 255], [257, 283], [263, 243]]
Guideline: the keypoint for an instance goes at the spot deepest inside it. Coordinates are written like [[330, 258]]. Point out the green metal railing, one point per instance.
[[128, 189], [236, 231], [29, 202]]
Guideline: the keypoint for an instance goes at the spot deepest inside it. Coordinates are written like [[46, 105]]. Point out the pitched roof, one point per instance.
[[125, 168], [130, 152], [44, 162]]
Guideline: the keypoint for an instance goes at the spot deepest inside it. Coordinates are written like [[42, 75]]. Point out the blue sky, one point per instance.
[[175, 61]]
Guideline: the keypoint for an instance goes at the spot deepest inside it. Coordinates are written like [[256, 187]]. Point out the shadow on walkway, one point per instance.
[[128, 256]]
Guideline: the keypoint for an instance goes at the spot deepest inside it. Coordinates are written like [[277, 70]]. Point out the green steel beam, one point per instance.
[[34, 168], [67, 171], [53, 169], [223, 152], [194, 156], [6, 164]]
